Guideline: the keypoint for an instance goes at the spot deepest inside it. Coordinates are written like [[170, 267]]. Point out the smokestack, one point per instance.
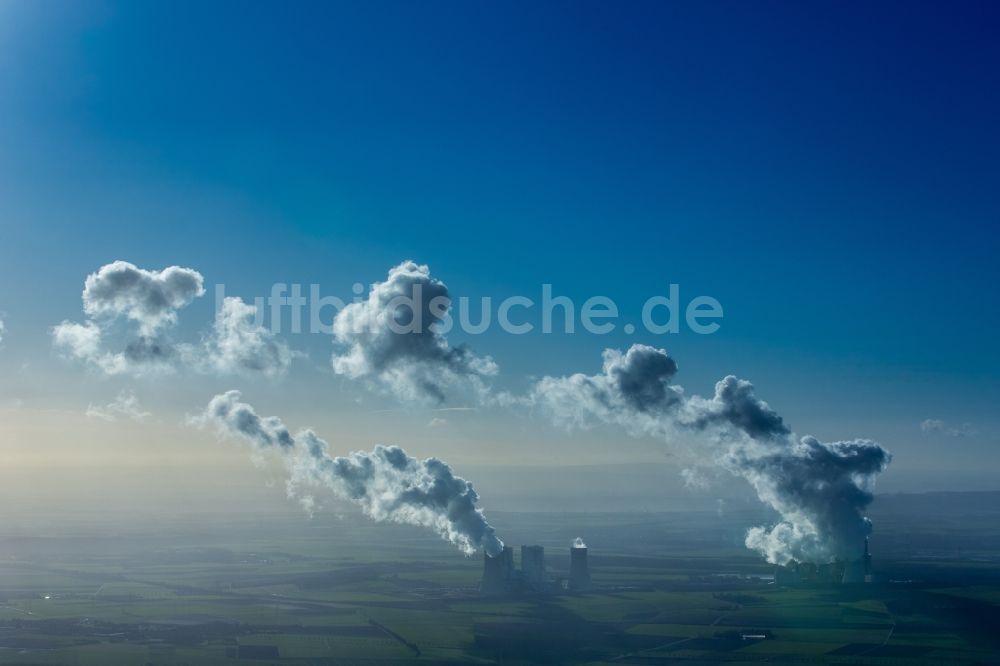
[[497, 572], [868, 563], [533, 565], [579, 572]]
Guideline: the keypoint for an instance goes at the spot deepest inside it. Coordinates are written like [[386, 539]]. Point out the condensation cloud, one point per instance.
[[150, 301], [386, 483], [819, 490], [393, 340]]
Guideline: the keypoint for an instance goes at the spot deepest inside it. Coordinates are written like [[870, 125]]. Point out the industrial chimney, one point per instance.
[[579, 572], [868, 563]]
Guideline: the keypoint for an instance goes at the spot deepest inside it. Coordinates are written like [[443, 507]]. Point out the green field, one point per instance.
[[348, 592]]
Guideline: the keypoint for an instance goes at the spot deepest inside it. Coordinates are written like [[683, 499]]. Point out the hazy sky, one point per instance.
[[827, 172]]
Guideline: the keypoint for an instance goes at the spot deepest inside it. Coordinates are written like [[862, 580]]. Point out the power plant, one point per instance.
[[500, 577], [851, 572]]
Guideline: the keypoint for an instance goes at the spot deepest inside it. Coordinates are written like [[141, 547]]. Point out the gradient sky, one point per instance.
[[827, 171]]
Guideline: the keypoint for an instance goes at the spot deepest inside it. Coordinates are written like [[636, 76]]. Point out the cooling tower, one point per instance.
[[860, 570], [579, 572], [854, 572], [533, 565], [497, 572]]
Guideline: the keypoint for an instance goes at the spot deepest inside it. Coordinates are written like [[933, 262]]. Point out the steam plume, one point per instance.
[[239, 345], [819, 489], [149, 298], [393, 339], [386, 483], [151, 301], [125, 405], [735, 405], [633, 390]]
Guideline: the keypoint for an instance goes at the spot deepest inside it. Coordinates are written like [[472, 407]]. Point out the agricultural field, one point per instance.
[[667, 589]]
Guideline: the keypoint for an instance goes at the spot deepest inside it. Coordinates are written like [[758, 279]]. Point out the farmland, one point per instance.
[[668, 588]]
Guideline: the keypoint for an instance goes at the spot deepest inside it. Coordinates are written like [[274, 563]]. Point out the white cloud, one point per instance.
[[393, 340], [386, 483], [696, 478], [83, 342], [126, 405], [820, 489], [633, 390], [149, 298], [932, 425], [939, 426], [238, 344]]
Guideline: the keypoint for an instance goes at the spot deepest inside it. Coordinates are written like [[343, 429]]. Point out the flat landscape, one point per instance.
[[667, 588], [346, 333]]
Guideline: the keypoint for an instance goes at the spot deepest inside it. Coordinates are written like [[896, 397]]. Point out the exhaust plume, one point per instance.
[[239, 345], [388, 484], [125, 405], [394, 340], [149, 298], [633, 391], [819, 489], [149, 302], [735, 405]]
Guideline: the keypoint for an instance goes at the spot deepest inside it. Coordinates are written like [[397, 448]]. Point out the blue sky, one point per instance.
[[827, 171]]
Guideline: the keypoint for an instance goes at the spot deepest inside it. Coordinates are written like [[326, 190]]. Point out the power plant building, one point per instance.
[[500, 577], [850, 572]]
